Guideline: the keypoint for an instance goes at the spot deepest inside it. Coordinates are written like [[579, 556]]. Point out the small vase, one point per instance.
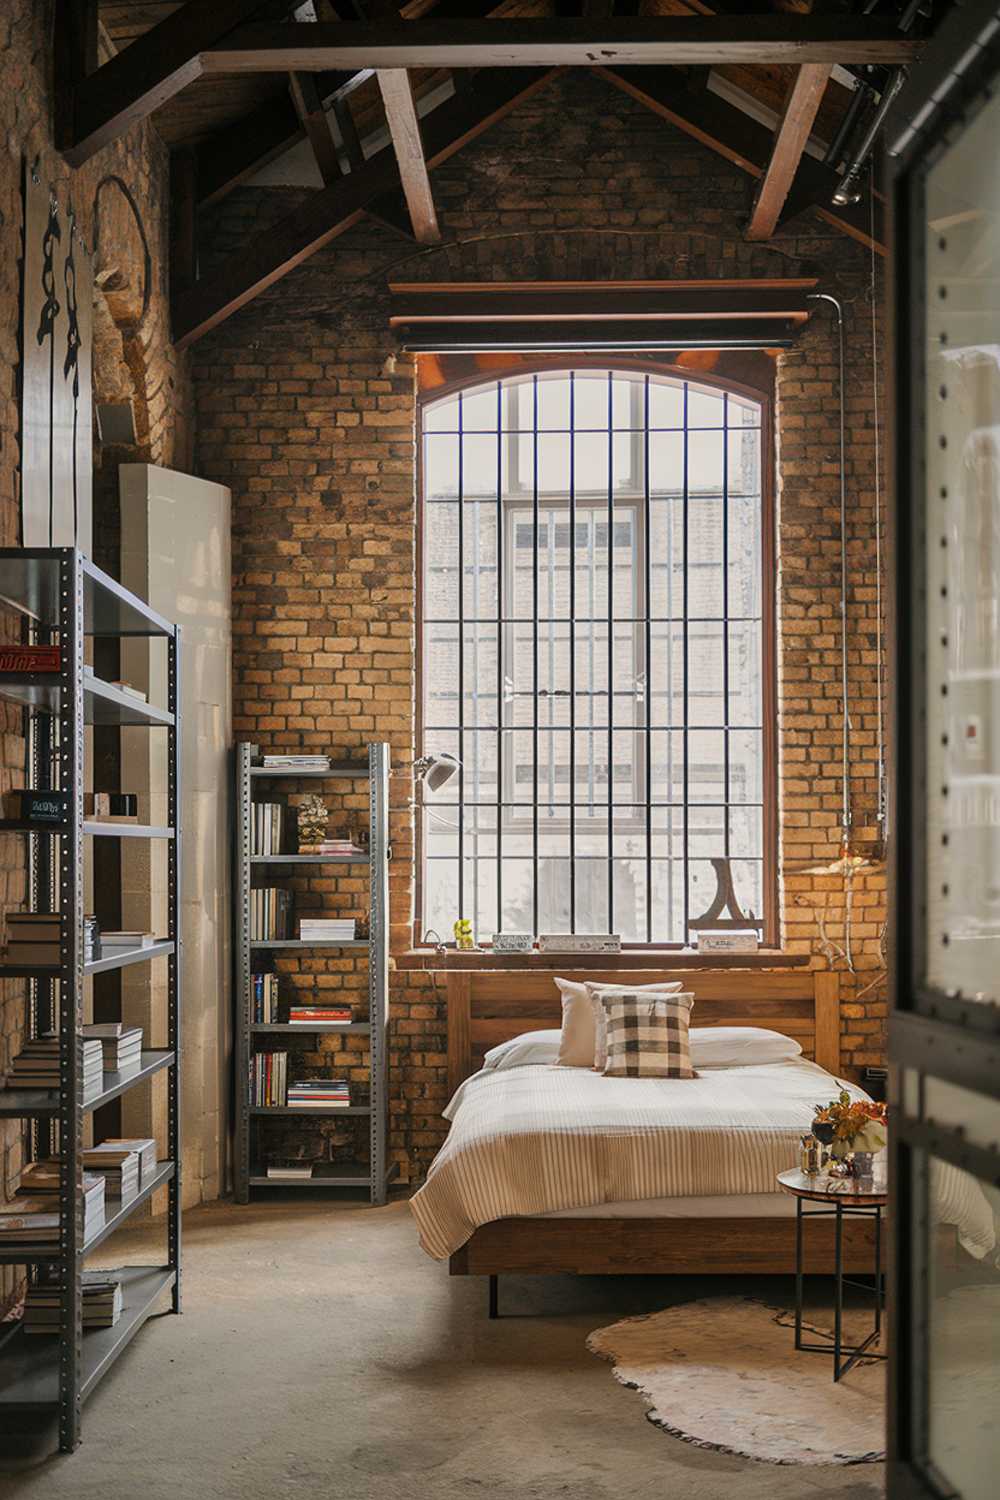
[[863, 1169]]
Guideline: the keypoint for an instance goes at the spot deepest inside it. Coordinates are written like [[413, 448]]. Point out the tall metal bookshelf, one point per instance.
[[63, 598], [251, 1119]]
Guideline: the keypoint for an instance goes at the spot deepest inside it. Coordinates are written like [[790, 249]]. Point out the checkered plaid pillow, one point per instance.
[[647, 1035]]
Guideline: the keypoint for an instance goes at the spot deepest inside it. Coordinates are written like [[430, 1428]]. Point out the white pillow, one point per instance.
[[530, 1049], [583, 1042], [739, 1046]]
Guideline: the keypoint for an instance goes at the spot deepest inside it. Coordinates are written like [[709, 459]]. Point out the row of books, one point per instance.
[[124, 1165], [264, 999], [270, 914], [36, 1066], [267, 827], [270, 1086], [121, 1045], [102, 1304], [333, 848], [320, 1015], [268, 1079]]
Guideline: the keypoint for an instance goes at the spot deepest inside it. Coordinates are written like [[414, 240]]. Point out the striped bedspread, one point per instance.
[[533, 1140]]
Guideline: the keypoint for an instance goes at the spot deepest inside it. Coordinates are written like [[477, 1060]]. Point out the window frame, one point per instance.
[[764, 396]]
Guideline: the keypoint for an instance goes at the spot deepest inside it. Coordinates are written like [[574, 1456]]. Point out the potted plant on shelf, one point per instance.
[[854, 1130]]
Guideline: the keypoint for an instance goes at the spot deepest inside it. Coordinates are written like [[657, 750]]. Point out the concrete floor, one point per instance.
[[322, 1354]]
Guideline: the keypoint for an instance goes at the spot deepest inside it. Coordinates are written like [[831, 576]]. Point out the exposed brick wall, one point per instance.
[[304, 414], [158, 380]]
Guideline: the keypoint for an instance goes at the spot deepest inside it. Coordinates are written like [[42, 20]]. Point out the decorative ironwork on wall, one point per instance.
[[56, 340]]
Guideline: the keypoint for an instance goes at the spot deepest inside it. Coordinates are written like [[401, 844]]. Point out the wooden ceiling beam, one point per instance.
[[330, 211], [615, 41], [157, 65], [312, 116], [794, 128], [404, 128], [744, 142], [640, 301], [620, 334]]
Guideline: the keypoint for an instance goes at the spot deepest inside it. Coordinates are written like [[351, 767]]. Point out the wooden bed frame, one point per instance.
[[488, 1006]]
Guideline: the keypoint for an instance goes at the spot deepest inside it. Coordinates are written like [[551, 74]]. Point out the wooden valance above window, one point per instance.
[[467, 316]]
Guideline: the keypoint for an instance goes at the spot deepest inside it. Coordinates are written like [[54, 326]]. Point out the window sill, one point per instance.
[[636, 958]]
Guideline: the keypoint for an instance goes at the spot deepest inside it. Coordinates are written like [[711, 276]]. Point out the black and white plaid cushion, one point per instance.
[[647, 1035]]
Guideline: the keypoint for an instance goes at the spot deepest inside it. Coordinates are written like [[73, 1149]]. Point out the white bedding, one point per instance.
[[539, 1140]]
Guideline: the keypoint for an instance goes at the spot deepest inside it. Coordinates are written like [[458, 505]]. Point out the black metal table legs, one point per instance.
[[844, 1356]]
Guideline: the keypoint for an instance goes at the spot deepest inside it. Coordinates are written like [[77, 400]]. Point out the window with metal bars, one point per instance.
[[593, 613]]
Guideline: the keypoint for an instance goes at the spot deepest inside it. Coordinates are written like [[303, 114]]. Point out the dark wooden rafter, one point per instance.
[[746, 144], [313, 118], [157, 65], [349, 134], [600, 333], [330, 211], [617, 41], [76, 57], [208, 37], [183, 219], [726, 300], [798, 117]]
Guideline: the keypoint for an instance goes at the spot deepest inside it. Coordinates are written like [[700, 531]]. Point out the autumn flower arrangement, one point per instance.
[[850, 1125]]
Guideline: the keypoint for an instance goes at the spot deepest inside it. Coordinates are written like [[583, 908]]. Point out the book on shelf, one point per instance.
[[299, 1173], [144, 1148], [119, 1168], [102, 1301], [735, 940], [113, 943], [33, 938], [320, 1015], [36, 1066], [111, 807], [334, 848], [294, 760], [270, 914], [328, 1093], [34, 1217], [264, 999], [267, 827], [268, 1079], [327, 929], [121, 1045], [30, 659]]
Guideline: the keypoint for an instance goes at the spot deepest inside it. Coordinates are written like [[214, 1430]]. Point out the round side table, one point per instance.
[[841, 1198]]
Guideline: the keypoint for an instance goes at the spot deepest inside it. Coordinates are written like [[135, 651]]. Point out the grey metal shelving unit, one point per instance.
[[65, 598], [250, 1119]]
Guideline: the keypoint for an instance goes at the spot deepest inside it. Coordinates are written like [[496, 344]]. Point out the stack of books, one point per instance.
[[121, 1045], [118, 1167], [268, 1079], [33, 937], [144, 1148], [102, 1304], [296, 762], [36, 1066], [320, 1015], [333, 848], [330, 1093], [327, 929], [267, 827], [270, 914], [40, 1180], [115, 943], [264, 1007]]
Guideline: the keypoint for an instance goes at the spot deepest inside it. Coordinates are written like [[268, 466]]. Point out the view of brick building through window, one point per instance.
[[524, 482]]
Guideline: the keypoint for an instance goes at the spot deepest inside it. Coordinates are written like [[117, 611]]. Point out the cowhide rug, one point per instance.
[[723, 1373]]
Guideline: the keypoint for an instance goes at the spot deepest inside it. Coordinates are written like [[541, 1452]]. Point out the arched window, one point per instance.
[[593, 615]]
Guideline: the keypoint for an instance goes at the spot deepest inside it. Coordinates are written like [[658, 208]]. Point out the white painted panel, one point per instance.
[[176, 554]]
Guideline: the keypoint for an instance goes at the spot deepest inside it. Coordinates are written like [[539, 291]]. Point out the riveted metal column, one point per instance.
[[378, 962], [244, 979], [70, 999], [175, 964]]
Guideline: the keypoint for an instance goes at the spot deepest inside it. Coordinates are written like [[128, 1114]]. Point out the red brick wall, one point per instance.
[[156, 377], [303, 412]]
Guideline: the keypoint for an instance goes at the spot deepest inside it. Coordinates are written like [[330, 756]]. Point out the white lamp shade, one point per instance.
[[440, 770]]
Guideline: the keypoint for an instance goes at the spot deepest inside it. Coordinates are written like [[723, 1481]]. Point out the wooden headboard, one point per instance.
[[487, 1006]]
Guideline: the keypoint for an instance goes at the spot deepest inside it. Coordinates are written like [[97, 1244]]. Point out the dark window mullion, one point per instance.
[[500, 657], [534, 639], [725, 616], [648, 662], [572, 656], [461, 668], [686, 662], [611, 663]]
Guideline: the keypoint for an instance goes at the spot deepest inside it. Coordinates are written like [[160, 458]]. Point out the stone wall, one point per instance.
[[121, 203], [306, 414]]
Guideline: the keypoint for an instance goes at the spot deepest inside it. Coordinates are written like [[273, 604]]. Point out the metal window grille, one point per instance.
[[593, 652]]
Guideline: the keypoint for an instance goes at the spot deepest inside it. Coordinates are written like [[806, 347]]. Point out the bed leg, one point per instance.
[[494, 1297]]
